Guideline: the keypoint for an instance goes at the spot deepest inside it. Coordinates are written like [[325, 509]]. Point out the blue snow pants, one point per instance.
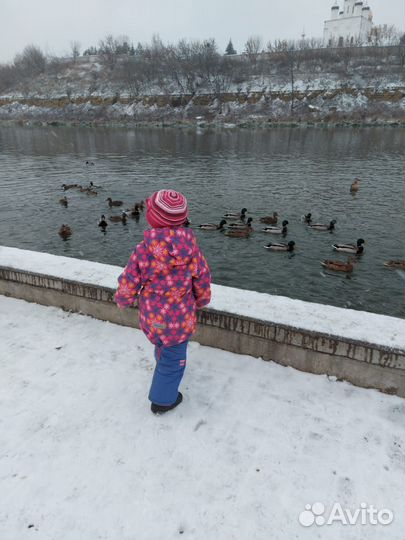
[[169, 370]]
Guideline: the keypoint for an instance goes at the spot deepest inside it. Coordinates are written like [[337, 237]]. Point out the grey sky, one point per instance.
[[52, 24]]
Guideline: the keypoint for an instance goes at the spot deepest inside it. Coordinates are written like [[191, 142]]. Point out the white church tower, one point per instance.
[[349, 24]]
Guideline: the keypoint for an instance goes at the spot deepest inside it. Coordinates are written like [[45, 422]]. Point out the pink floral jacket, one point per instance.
[[171, 278]]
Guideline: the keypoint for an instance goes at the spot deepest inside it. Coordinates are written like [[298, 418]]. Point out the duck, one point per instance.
[[239, 233], [114, 203], [355, 186], [395, 264], [270, 220], [281, 246], [65, 231], [339, 266], [140, 205], [323, 227], [88, 190], [92, 186], [122, 218], [64, 202], [307, 218], [277, 230], [103, 222], [357, 249], [212, 226], [187, 223], [241, 225], [90, 163], [236, 215], [135, 210], [65, 187]]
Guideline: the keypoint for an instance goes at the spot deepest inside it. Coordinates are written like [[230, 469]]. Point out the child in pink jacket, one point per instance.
[[171, 279]]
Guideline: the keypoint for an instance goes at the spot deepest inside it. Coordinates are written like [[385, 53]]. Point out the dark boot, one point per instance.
[[160, 409]]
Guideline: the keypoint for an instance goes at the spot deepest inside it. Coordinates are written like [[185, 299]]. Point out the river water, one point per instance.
[[291, 171]]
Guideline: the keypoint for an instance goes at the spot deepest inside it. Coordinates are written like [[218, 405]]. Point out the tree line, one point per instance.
[[189, 65]]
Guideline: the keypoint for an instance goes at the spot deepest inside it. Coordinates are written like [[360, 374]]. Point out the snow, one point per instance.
[[88, 77], [252, 443], [347, 323]]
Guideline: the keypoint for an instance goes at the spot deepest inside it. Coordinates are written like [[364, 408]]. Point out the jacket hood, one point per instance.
[[170, 246]]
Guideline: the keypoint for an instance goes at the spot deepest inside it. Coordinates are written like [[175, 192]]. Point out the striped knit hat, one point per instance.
[[166, 208]]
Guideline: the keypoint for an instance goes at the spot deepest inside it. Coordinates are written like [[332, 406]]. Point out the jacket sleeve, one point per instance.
[[202, 281], [129, 283]]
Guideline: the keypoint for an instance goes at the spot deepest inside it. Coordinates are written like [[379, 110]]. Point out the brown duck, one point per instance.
[[65, 231], [114, 203], [270, 220]]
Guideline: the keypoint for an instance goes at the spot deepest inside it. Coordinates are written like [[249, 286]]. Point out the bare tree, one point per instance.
[[30, 62], [108, 50], [401, 50], [132, 74], [75, 47], [384, 34], [253, 46], [8, 76], [289, 55]]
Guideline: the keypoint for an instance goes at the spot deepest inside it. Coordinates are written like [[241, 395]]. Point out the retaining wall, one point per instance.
[[363, 363]]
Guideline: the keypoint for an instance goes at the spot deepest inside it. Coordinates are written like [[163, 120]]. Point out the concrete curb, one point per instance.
[[364, 364]]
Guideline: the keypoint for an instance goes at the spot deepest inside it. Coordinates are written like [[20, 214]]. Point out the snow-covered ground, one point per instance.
[[346, 323], [82, 457]]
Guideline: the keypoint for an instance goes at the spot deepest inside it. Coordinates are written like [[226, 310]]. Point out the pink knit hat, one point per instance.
[[166, 208]]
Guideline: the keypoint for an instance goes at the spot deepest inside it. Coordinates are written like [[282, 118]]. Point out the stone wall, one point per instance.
[[364, 364]]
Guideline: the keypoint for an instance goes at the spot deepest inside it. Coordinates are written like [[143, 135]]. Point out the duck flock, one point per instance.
[[236, 225], [65, 231]]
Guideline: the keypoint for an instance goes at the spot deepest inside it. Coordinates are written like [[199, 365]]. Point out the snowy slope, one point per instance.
[[331, 320], [82, 457]]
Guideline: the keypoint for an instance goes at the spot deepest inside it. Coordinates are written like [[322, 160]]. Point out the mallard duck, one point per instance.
[[122, 218], [65, 231], [135, 211], [65, 187], [90, 163], [355, 185], [350, 248], [277, 230], [64, 202], [323, 227], [338, 266], [270, 220], [103, 222], [114, 203], [131, 212], [307, 218], [140, 205], [240, 225], [395, 264], [281, 246], [239, 233], [212, 226], [93, 186], [236, 215]]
